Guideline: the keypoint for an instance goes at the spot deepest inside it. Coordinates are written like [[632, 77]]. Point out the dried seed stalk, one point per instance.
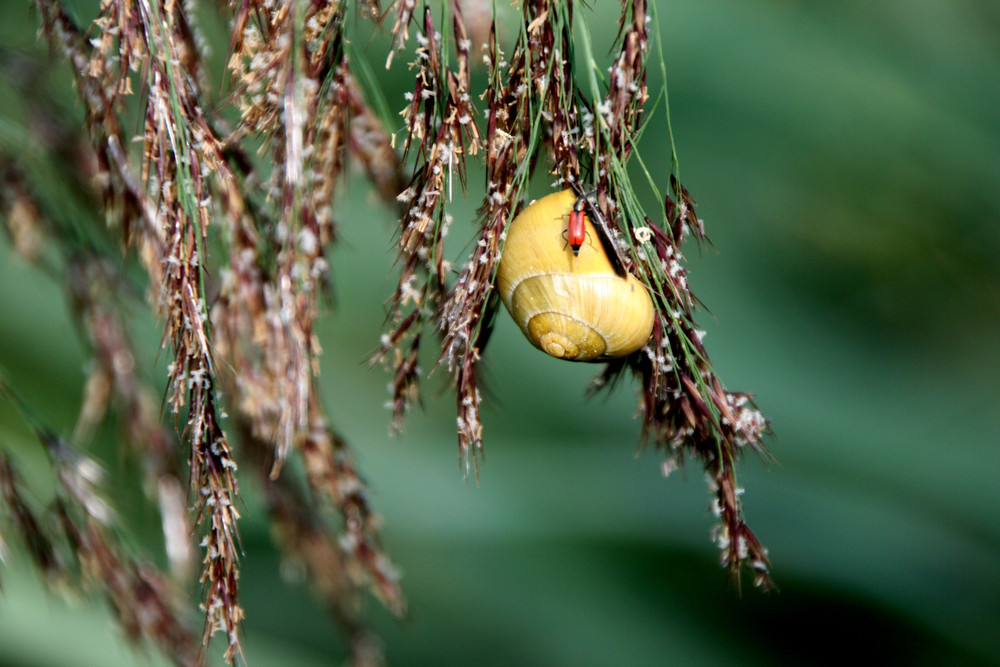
[[338, 564], [295, 89], [684, 406], [172, 230], [288, 68], [535, 108], [521, 98], [441, 127]]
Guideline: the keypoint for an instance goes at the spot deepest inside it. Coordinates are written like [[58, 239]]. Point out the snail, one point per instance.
[[562, 289]]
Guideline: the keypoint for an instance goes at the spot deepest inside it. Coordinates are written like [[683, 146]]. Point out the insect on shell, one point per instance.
[[571, 307]]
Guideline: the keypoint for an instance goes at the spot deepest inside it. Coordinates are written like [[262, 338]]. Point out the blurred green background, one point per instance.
[[846, 157]]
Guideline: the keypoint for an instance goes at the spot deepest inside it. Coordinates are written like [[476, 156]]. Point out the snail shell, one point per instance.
[[571, 307]]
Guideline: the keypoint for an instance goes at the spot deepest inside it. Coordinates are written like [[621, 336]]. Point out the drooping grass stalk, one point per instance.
[[538, 114], [194, 173]]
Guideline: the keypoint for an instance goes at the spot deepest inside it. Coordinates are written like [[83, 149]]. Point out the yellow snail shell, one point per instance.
[[574, 308]]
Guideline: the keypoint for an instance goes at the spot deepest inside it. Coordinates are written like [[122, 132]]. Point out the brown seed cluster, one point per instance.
[[536, 113], [441, 127], [685, 408], [232, 223]]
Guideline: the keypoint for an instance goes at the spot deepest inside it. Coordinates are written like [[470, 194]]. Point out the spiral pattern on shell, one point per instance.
[[571, 307]]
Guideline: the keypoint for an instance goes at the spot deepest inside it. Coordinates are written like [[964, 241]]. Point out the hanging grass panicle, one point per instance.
[[529, 90], [176, 142], [519, 95], [338, 566], [98, 292], [535, 108], [287, 69], [247, 326], [684, 406], [276, 72], [441, 131], [77, 543], [173, 228], [468, 308]]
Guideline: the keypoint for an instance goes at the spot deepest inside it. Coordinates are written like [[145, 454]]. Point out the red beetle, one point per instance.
[[576, 231]]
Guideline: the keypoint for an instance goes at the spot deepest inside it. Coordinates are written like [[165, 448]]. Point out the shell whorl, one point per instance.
[[571, 307]]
